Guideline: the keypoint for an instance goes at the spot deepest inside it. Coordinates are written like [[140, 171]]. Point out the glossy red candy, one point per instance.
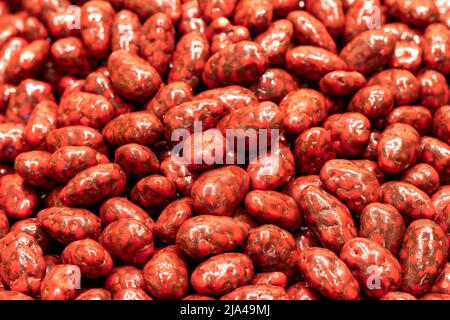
[[42, 120], [274, 278], [374, 102], [131, 294], [75, 136], [273, 207], [166, 275], [171, 219], [189, 59], [17, 198], [383, 224], [271, 249], [276, 40], [257, 292], [157, 41], [31, 226], [274, 85], [67, 161], [96, 20], [222, 274], [169, 96], [402, 195], [69, 224], [271, 170], [117, 208], [153, 191], [224, 149], [206, 235], [302, 109], [62, 282], [328, 274], [329, 219], [349, 132], [94, 261], [436, 54], [418, 117], [94, 294], [312, 149], [128, 240], [125, 31], [368, 51], [124, 66], [239, 63], [220, 191], [4, 224], [353, 185], [94, 184], [342, 83], [179, 173], [12, 141], [302, 291], [406, 140], [376, 268], [312, 63], [124, 277], [33, 167], [403, 84], [434, 90], [22, 265], [421, 268], [136, 160], [146, 8], [212, 9], [186, 117], [27, 96], [423, 176], [134, 127]]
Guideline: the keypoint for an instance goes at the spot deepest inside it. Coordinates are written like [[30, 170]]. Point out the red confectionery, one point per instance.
[[224, 150]]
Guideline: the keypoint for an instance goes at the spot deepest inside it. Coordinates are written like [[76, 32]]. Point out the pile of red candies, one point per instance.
[[350, 201]]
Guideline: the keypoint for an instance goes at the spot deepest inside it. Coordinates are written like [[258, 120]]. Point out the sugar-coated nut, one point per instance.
[[94, 261], [319, 267], [394, 160], [421, 270], [272, 248], [17, 198], [124, 277], [319, 209], [338, 175], [22, 265], [318, 63], [244, 61], [382, 223], [229, 184], [206, 235], [94, 294], [224, 149], [257, 292], [94, 184], [402, 194], [124, 66], [69, 224], [62, 282], [170, 263], [128, 240], [189, 59], [222, 274], [362, 256]]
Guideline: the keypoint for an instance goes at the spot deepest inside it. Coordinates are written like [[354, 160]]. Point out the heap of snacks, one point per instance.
[[349, 99]]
